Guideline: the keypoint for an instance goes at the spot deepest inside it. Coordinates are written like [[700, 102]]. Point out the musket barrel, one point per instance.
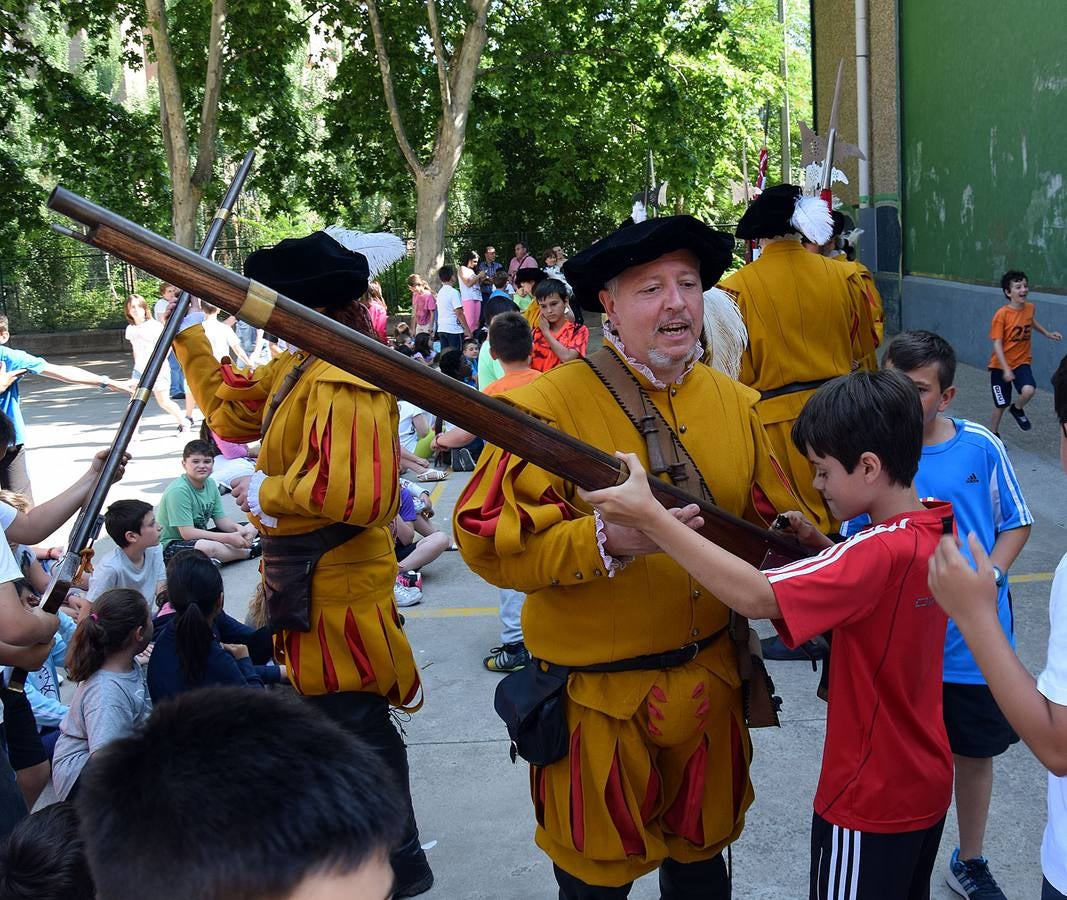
[[506, 426]]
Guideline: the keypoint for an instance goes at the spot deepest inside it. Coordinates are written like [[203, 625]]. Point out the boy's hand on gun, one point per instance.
[[629, 511], [796, 525], [960, 590]]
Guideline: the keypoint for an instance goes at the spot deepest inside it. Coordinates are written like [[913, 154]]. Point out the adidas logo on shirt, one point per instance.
[[972, 478]]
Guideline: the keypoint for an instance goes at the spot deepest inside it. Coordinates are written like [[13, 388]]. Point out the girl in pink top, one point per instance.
[[423, 305], [379, 313]]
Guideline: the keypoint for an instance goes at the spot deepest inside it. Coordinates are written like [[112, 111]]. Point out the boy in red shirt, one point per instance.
[[886, 779], [1011, 334]]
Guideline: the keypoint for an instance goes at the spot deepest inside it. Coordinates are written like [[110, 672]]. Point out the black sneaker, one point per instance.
[[508, 658], [1020, 417], [971, 878], [256, 550]]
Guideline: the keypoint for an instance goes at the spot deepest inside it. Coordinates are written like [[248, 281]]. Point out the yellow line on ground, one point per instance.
[[451, 612], [1033, 576]]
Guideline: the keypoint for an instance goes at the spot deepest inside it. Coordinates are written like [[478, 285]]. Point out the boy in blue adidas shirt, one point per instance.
[[964, 463]]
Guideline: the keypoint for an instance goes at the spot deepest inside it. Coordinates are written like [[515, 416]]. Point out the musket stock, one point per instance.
[[86, 525], [504, 425]]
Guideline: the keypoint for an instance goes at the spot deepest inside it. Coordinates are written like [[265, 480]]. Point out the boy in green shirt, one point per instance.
[[191, 502]]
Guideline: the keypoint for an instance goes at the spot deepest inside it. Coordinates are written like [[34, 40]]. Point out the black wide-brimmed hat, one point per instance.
[[530, 273], [640, 243], [784, 209], [314, 270]]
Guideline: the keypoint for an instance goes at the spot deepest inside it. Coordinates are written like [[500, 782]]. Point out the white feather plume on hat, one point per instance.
[[381, 248], [812, 218], [639, 213], [724, 332]]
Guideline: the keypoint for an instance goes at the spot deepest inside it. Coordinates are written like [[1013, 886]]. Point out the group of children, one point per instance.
[[150, 632]]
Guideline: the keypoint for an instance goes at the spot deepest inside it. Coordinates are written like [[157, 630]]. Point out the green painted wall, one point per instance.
[[984, 139]]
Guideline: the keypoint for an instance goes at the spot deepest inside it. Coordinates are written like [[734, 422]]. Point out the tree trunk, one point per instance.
[[431, 217], [456, 75]]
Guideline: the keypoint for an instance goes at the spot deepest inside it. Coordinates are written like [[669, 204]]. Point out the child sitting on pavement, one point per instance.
[[137, 560], [188, 651], [863, 434], [112, 698], [412, 553], [1036, 710], [191, 502]]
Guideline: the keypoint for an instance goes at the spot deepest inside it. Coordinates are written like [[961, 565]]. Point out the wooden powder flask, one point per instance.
[[498, 422]]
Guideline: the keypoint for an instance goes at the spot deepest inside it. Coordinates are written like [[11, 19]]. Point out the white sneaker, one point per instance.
[[405, 596]]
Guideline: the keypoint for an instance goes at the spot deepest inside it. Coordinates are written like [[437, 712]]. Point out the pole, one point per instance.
[[787, 173], [863, 103]]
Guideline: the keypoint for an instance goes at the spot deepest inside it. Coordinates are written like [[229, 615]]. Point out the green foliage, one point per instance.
[[571, 95]]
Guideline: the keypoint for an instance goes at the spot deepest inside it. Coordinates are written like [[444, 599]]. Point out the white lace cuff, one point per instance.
[[258, 477], [612, 564], [193, 318]]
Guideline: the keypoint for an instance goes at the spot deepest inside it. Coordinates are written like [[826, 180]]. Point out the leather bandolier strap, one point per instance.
[[667, 455]]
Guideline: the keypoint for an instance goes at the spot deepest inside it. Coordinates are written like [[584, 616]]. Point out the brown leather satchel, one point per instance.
[[667, 454]]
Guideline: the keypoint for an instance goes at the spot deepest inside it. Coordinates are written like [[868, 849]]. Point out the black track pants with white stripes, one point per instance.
[[862, 865]]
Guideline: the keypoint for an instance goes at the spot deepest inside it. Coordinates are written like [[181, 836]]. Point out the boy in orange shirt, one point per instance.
[[511, 345], [1010, 362]]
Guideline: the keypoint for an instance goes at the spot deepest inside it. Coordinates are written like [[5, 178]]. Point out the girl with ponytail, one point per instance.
[[112, 698], [188, 653]]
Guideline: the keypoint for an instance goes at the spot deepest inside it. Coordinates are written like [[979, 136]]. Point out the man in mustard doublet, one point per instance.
[[657, 770]]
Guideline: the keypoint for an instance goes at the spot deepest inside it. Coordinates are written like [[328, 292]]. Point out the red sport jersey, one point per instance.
[[886, 766]]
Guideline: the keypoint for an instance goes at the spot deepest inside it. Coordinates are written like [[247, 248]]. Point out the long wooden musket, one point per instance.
[[502, 424], [87, 524]]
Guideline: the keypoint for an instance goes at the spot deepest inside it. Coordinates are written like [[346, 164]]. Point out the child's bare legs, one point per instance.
[[222, 552], [190, 405], [431, 546], [974, 789], [1025, 393], [169, 407]]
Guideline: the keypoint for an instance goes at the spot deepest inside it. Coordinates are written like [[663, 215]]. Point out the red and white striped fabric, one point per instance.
[[761, 173]]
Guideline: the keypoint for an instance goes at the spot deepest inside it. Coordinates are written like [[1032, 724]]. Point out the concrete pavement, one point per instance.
[[472, 803]]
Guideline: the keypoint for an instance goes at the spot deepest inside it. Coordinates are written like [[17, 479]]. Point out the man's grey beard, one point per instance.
[[661, 360]]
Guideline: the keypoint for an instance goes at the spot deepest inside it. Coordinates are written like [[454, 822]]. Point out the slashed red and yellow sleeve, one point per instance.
[[519, 527], [232, 402], [343, 459]]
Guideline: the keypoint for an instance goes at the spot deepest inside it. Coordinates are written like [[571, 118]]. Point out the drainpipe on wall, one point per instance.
[[868, 245]]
